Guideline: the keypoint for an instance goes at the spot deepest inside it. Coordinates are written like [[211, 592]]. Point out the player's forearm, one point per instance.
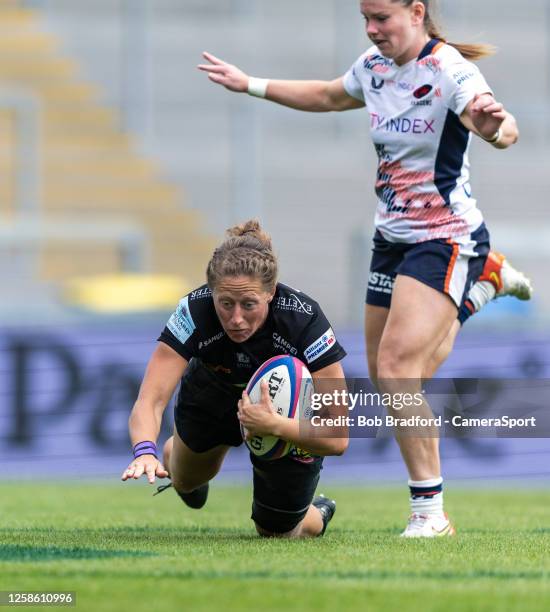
[[322, 440], [313, 96], [145, 421], [309, 96], [164, 370]]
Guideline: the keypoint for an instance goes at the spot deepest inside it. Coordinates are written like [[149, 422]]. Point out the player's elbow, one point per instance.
[[328, 100], [323, 102], [337, 99], [331, 104]]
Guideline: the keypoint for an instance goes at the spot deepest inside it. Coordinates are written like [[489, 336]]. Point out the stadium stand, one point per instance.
[[243, 157], [237, 157], [77, 198]]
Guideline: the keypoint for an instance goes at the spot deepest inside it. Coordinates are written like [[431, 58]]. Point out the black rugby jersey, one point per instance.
[[295, 326]]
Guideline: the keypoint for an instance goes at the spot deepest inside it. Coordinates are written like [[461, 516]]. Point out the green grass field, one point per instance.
[[121, 549]]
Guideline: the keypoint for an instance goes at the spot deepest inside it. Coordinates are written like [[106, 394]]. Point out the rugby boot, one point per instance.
[[505, 278], [327, 508], [428, 526]]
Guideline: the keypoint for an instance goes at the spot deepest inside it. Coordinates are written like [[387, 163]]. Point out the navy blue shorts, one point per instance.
[[449, 266]]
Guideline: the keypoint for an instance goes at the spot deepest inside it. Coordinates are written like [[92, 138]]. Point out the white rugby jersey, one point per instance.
[[423, 173]]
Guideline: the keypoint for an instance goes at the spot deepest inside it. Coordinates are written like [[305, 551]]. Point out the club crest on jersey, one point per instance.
[[243, 360], [423, 91]]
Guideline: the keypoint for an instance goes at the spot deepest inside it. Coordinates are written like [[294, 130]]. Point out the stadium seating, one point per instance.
[[237, 157], [91, 178]]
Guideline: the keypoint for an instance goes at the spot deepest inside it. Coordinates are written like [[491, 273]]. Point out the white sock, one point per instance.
[[431, 503], [481, 294]]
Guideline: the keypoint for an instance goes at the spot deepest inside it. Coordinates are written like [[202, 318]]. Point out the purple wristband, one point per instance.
[[145, 448]]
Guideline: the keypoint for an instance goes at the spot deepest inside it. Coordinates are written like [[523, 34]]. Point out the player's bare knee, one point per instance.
[[397, 359], [389, 366]]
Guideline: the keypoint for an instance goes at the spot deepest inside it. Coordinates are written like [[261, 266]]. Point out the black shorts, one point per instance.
[[283, 491], [448, 266], [205, 416]]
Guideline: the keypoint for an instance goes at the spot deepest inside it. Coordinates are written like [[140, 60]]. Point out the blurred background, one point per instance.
[[121, 165]]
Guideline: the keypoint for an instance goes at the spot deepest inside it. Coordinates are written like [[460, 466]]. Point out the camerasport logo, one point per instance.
[[320, 346]]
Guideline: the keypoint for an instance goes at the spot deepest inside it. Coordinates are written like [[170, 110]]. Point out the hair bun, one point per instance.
[[253, 229], [246, 251]]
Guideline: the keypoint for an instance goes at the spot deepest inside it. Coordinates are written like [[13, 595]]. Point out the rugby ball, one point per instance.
[[290, 387]]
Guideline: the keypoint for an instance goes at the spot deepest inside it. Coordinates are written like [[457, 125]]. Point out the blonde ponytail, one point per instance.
[[470, 51]]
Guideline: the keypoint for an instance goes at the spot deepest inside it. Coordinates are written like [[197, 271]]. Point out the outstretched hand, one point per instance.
[[258, 419], [487, 115], [146, 464], [225, 74]]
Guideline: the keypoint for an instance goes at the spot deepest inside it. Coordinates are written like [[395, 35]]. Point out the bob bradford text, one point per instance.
[[417, 421]]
